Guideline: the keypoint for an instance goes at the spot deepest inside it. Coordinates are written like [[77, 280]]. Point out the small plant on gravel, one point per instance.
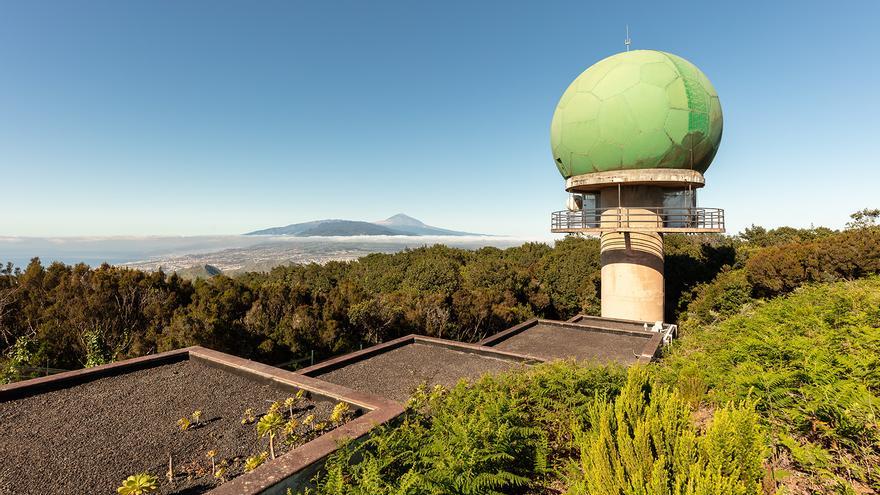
[[220, 473], [254, 462], [309, 419], [211, 454], [196, 417], [290, 427], [290, 402], [248, 417], [269, 425], [340, 413], [290, 436], [320, 426], [184, 424], [275, 408], [138, 484]]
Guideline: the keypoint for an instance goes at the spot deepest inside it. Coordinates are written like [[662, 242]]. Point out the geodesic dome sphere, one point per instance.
[[634, 110]]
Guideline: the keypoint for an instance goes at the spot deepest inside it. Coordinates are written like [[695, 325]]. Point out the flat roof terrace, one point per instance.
[[85, 431], [548, 340], [396, 368]]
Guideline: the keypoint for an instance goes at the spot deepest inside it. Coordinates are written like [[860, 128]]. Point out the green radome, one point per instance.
[[636, 110]]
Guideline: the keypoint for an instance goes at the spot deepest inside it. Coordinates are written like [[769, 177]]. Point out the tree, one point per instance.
[[864, 218]]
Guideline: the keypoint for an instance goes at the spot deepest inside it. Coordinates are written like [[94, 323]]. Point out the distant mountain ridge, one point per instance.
[[397, 225]]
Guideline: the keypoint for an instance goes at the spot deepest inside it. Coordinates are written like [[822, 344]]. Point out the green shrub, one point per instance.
[[811, 363], [690, 261], [842, 256], [719, 299], [645, 443], [503, 434]]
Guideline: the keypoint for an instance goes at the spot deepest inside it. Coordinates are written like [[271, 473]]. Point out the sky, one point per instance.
[[216, 117]]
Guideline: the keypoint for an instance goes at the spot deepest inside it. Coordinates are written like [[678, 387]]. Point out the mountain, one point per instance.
[[397, 225], [411, 226]]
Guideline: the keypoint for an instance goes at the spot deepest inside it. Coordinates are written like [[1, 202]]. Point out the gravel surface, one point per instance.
[[560, 342], [87, 439], [396, 374]]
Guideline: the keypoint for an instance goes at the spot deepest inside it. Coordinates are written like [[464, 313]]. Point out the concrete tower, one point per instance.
[[633, 136]]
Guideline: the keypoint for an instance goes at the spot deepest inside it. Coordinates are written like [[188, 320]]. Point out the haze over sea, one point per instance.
[[227, 252]]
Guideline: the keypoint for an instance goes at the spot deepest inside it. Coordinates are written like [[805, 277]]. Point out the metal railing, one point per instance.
[[639, 219]]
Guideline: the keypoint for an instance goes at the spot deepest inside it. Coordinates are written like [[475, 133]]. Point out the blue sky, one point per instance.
[[185, 117]]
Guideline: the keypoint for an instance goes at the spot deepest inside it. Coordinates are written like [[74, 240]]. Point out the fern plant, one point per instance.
[[502, 434], [809, 361], [644, 442]]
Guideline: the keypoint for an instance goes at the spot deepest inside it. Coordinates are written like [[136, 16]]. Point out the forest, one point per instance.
[[66, 317]]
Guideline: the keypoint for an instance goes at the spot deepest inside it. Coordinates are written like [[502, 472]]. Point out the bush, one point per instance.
[[693, 260], [846, 255], [504, 433], [719, 299], [517, 432], [645, 443], [811, 363]]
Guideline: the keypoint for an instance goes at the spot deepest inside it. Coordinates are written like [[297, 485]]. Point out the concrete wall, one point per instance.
[[632, 272]]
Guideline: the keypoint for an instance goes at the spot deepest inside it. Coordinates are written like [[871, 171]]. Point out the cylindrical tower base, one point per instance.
[[632, 275]]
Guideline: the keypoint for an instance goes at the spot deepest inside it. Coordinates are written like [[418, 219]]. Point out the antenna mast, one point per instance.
[[627, 41]]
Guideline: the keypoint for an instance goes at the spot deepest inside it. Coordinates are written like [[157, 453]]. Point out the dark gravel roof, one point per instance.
[[395, 374]]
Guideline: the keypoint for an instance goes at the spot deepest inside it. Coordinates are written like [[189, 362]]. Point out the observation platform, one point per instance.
[[638, 219]]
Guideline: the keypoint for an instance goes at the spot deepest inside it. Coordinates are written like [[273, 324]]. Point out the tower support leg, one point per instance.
[[632, 276]]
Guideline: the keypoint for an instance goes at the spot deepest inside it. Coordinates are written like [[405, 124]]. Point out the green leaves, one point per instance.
[[139, 484], [502, 434], [269, 424], [841, 256], [255, 461], [645, 443], [811, 364]]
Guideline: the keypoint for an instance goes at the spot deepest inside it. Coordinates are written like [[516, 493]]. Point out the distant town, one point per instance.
[[303, 250]]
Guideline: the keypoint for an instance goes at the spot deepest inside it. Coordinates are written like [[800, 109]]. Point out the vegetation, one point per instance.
[[184, 424], [212, 454], [762, 394], [248, 417], [523, 431], [645, 442], [849, 255], [269, 426], [340, 413], [221, 471], [255, 461], [139, 484], [194, 421], [290, 402], [67, 317], [781, 397], [811, 364], [773, 387]]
